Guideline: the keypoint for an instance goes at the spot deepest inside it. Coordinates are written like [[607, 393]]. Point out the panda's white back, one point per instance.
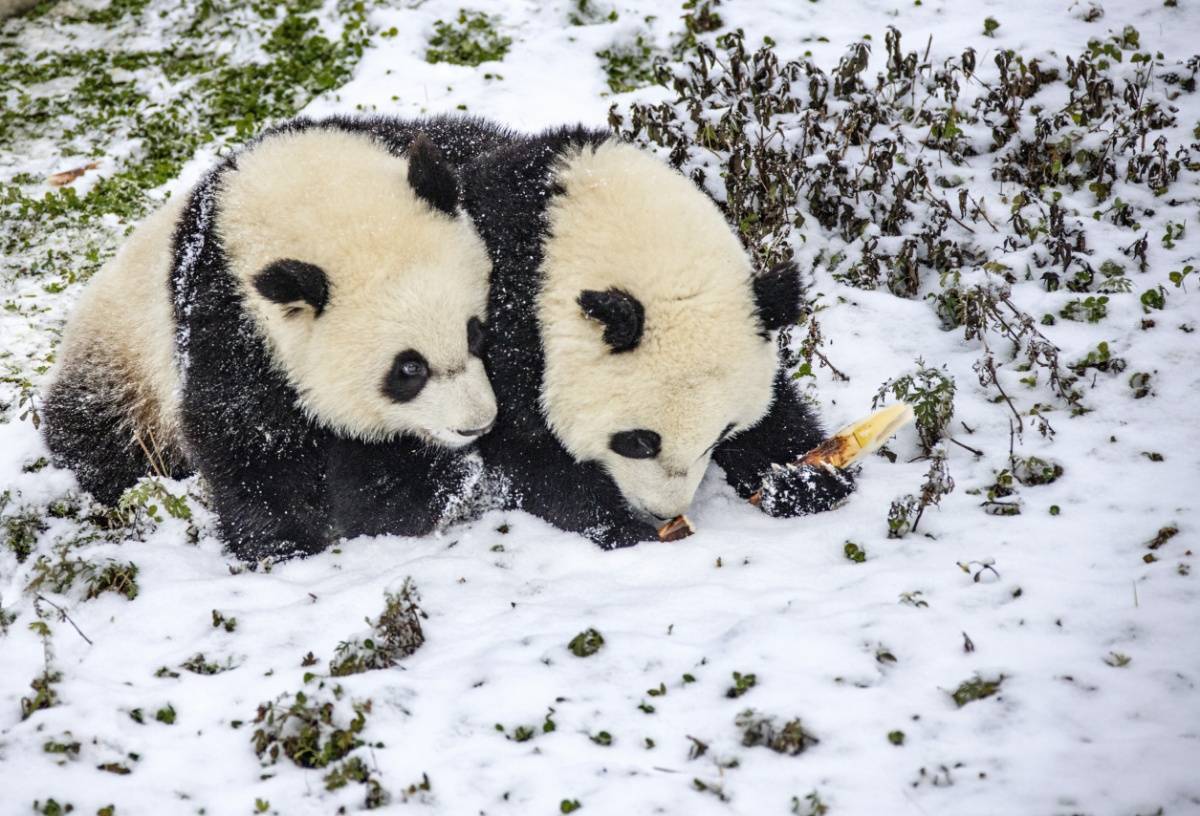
[[124, 322]]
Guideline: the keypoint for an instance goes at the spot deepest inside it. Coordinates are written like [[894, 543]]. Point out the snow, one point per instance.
[[830, 641]]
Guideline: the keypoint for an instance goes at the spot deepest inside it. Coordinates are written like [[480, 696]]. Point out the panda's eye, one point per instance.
[[406, 377], [476, 336], [639, 444]]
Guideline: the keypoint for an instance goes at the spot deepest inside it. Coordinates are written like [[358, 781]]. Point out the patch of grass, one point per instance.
[[65, 745], [395, 635], [587, 12], [220, 621], [741, 684], [854, 552], [471, 39], [86, 104], [586, 643], [629, 66], [791, 738], [812, 805], [198, 664], [166, 715], [976, 689]]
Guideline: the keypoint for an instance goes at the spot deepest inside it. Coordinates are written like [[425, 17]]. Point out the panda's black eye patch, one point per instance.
[[290, 281], [476, 337], [406, 377], [639, 444]]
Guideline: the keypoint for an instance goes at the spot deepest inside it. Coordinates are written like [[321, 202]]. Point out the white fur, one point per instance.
[[401, 276], [628, 221], [124, 323]]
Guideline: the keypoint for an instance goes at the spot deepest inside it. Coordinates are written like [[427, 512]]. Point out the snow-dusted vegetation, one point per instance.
[[998, 203]]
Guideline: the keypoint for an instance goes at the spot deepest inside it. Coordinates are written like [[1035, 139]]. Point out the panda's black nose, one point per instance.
[[475, 431]]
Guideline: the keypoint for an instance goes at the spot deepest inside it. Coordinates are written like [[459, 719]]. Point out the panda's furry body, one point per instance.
[[629, 343], [299, 330]]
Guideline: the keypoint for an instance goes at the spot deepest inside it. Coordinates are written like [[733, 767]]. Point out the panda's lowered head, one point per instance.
[[655, 327], [368, 285]]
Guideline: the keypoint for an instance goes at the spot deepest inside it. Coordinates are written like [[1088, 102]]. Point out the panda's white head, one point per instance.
[[654, 325], [368, 286]]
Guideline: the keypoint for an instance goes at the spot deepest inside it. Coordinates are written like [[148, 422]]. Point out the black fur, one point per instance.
[[431, 179], [621, 313], [506, 192], [292, 281], [778, 295]]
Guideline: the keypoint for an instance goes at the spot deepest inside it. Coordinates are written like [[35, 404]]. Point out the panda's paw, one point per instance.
[[615, 536], [469, 489], [799, 490]]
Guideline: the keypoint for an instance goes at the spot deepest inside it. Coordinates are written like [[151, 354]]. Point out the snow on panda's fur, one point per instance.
[[304, 330], [629, 343]]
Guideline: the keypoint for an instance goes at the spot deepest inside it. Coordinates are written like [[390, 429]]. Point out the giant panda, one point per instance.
[[630, 343], [304, 329]]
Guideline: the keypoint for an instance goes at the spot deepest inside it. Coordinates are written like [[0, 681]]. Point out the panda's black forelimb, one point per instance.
[[757, 461]]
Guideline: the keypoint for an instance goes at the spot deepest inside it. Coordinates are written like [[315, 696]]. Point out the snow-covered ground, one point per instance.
[[1092, 632]]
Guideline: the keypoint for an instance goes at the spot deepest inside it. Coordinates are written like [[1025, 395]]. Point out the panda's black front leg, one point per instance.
[[403, 487], [543, 479], [760, 463], [271, 506]]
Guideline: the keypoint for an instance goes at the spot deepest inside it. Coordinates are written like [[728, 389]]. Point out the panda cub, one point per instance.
[[630, 343], [304, 330]]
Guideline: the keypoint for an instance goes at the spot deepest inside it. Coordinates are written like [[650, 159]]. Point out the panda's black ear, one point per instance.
[[620, 312], [292, 281], [431, 179], [778, 296]]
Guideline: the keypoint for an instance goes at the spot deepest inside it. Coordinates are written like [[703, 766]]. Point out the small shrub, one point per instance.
[[115, 576], [355, 770], [741, 684], [395, 635], [976, 689], [931, 395], [1031, 471], [44, 694], [307, 730], [1092, 309], [586, 643], [791, 738], [198, 664], [20, 531]]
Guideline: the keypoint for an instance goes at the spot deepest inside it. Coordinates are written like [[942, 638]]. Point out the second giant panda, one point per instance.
[[630, 343], [304, 329]]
